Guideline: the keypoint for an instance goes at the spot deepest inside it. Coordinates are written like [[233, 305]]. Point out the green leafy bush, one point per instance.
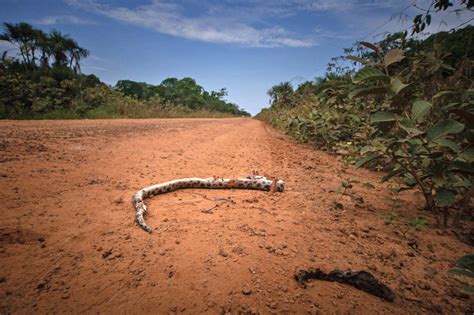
[[401, 105]]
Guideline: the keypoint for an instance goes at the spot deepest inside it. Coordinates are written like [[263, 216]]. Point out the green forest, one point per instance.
[[401, 105], [45, 82]]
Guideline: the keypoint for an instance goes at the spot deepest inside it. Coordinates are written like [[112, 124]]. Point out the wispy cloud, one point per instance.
[[65, 19], [96, 68], [261, 23], [168, 18]]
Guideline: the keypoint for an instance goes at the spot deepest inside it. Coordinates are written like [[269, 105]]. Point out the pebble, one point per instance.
[[430, 248], [107, 253], [246, 291], [223, 253]]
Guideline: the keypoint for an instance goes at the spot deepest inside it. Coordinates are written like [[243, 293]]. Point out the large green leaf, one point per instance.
[[466, 262], [419, 110], [442, 93], [461, 272], [383, 117], [369, 73], [447, 143], [397, 85], [367, 91], [393, 56], [468, 154], [444, 128], [461, 167], [367, 159], [390, 175], [409, 127], [444, 197]]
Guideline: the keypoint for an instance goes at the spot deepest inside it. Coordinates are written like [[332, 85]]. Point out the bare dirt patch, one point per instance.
[[69, 243]]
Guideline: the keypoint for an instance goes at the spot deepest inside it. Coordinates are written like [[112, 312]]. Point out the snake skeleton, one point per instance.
[[251, 182]]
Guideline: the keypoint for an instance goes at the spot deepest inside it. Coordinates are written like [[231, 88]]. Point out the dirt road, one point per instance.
[[69, 242]]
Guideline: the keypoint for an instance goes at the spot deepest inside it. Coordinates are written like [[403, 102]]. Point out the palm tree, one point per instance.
[[45, 46], [281, 93], [76, 54], [59, 45], [24, 37]]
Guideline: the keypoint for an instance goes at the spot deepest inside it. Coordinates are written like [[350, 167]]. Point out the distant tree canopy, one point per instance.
[[38, 49], [180, 92], [41, 78]]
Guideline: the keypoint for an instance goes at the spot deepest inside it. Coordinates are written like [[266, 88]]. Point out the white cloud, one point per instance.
[[95, 68], [257, 23], [64, 19], [167, 18]]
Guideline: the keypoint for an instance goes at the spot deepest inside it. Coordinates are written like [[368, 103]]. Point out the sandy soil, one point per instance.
[[69, 243]]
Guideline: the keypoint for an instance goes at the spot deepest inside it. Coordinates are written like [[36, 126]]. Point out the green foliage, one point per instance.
[[403, 107], [181, 92], [464, 267], [46, 83], [417, 223], [389, 218]]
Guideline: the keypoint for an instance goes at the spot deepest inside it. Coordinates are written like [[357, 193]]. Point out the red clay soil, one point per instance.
[[69, 243]]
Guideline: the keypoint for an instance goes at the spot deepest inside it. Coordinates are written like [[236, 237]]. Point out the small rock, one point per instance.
[[409, 286], [246, 291], [107, 253], [338, 206], [424, 286], [431, 248], [273, 305], [223, 253], [238, 249]]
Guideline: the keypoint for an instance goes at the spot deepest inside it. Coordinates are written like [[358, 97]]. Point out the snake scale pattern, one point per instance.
[[251, 182]]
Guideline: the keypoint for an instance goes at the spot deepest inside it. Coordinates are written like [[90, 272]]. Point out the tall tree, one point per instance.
[[24, 37], [281, 92]]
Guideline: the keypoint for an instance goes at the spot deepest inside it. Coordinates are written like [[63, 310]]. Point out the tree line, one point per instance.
[[40, 49], [41, 78]]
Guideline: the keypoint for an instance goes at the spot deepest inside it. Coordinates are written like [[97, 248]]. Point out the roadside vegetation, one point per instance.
[[401, 105], [40, 77]]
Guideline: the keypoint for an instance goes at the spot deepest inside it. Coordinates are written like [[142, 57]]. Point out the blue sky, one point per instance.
[[246, 46]]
